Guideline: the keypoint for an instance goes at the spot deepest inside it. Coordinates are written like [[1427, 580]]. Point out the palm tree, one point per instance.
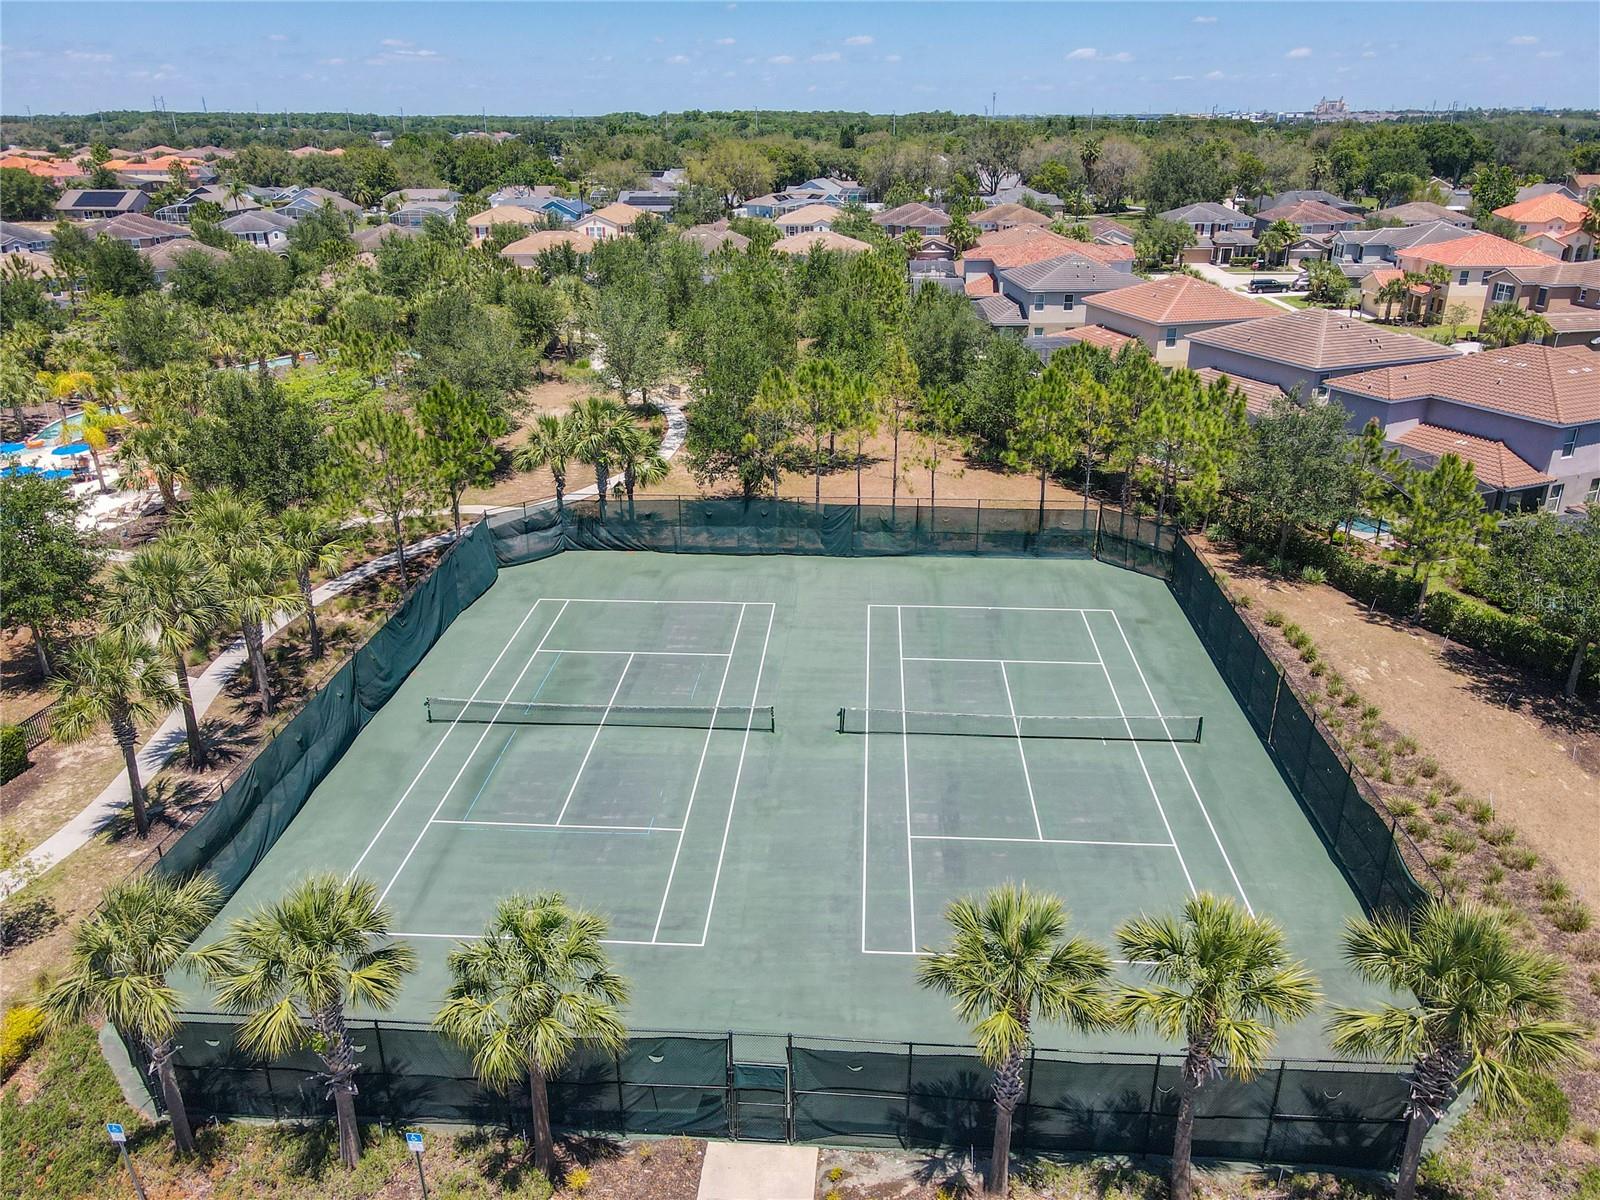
[[119, 965], [1221, 979], [311, 542], [241, 543], [1507, 324], [1395, 291], [95, 425], [1089, 155], [1321, 168], [167, 591], [1011, 962], [116, 680], [297, 965], [1590, 221], [640, 459], [154, 447], [596, 426], [1489, 1013], [1277, 238], [523, 997], [549, 444]]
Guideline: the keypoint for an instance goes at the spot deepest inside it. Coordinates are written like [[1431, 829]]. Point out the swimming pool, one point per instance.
[[52, 432]]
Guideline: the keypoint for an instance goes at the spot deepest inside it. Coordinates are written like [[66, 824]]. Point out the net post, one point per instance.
[[977, 527], [1150, 1104], [1272, 1112], [1199, 727], [841, 719]]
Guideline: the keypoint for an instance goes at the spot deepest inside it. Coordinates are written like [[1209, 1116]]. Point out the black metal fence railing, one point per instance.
[[831, 1090], [1343, 805], [36, 725]]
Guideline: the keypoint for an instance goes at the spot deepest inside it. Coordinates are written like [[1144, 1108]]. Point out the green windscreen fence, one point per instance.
[[1364, 843], [1313, 1113]]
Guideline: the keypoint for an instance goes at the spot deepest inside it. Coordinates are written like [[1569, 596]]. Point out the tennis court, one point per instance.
[[772, 773]]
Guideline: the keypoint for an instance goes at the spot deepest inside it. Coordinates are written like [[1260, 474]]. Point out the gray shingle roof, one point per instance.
[[1066, 274]]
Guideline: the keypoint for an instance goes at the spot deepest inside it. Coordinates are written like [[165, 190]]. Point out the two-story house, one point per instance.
[[1350, 249], [813, 218], [483, 223], [1552, 224], [1566, 294], [613, 220], [924, 218], [1526, 418], [266, 230], [1221, 234], [1008, 216], [1165, 314], [1421, 212], [1260, 204], [1469, 261], [1312, 217], [1052, 294]]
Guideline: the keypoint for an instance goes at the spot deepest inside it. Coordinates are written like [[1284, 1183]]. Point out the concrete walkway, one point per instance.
[[168, 737], [754, 1171]]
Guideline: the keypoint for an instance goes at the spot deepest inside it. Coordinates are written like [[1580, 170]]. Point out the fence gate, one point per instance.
[[760, 1107]]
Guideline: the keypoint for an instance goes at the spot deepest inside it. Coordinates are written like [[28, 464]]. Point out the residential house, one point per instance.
[[805, 243], [525, 252], [1008, 216], [715, 236], [1258, 397], [99, 204], [164, 256], [407, 195], [1010, 190], [925, 219], [1421, 212], [25, 239], [812, 218], [138, 230], [1566, 294], [1526, 418], [650, 200], [153, 173], [1313, 195], [1091, 335], [1001, 312], [370, 237], [1353, 247], [1470, 261], [1208, 219], [1551, 224], [1024, 244], [1312, 217], [1052, 293], [265, 230], [1371, 284], [1307, 348], [541, 198], [833, 189], [1165, 314], [1534, 190], [774, 204], [178, 213], [1112, 232], [37, 266], [510, 214], [59, 171], [417, 213], [613, 220], [1584, 185], [303, 201]]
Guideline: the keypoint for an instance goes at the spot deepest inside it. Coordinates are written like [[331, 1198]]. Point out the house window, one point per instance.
[[1541, 297], [1569, 443], [1485, 278], [1464, 277], [1066, 301], [1172, 335], [1038, 304], [1038, 331], [1592, 496], [1552, 501], [1503, 292]]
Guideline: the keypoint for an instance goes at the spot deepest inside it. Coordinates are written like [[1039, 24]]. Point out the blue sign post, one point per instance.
[[119, 1136], [414, 1144]]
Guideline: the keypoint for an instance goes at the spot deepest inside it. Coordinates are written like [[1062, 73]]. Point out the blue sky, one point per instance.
[[455, 56]]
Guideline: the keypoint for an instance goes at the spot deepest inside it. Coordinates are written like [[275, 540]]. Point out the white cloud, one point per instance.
[[1550, 54], [1369, 54], [724, 41], [1523, 39], [330, 62], [781, 60], [1083, 52], [85, 56], [678, 59], [1205, 20], [395, 43], [860, 39], [1091, 54], [277, 37], [1215, 75], [1299, 52], [1181, 78], [891, 58], [830, 56]]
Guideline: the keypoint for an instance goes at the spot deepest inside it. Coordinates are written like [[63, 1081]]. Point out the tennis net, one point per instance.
[[1109, 729], [663, 716]]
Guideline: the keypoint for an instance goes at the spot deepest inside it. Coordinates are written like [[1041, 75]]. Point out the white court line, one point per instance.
[[1154, 794], [473, 937], [694, 788], [421, 833], [1185, 767], [445, 737], [647, 653], [625, 600], [553, 825], [993, 607], [1027, 662], [598, 729], [1022, 751], [905, 754], [866, 777], [727, 825], [1115, 962], [1038, 841]]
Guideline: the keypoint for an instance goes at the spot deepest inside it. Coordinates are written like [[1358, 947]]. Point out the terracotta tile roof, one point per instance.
[[1095, 335], [1383, 275], [826, 239], [714, 236], [1308, 212], [1015, 235], [1258, 396], [1494, 463], [1024, 244], [1319, 339], [508, 213], [981, 285], [45, 168], [913, 213], [1069, 273], [1000, 311], [809, 214], [1572, 318], [1180, 300], [621, 215], [1010, 214], [1555, 385], [1551, 207], [547, 239], [1476, 250]]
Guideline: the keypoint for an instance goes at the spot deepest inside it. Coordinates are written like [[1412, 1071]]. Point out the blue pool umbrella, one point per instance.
[[13, 447], [74, 448], [19, 470]]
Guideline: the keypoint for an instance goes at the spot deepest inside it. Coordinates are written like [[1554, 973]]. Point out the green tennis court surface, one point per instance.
[[660, 737]]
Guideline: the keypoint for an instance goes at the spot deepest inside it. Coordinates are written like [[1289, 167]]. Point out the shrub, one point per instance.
[[1416, 827], [1403, 807], [1517, 859], [21, 1030], [1405, 745], [1551, 888], [1588, 1184], [1570, 916], [835, 1174], [1313, 575], [1499, 835], [1482, 812], [1273, 618], [13, 752], [1459, 840], [1428, 768], [577, 1179]]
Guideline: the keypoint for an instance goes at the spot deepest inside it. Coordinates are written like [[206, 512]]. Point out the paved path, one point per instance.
[[168, 737], [753, 1171]]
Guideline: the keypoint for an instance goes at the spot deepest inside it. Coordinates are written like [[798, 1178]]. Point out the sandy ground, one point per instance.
[[1514, 742]]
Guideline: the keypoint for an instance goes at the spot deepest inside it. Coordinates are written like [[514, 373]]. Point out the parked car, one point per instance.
[[1268, 284]]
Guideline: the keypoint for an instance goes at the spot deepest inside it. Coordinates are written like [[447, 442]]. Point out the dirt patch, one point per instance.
[[894, 1175], [1508, 740]]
